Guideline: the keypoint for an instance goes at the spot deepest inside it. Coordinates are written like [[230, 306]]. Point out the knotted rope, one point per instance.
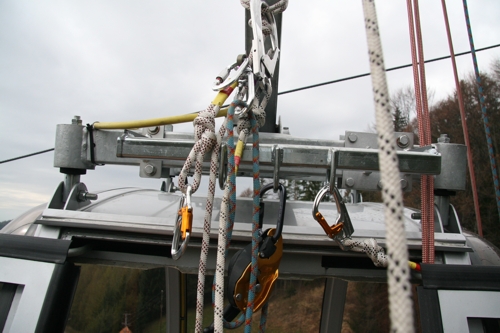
[[206, 140]]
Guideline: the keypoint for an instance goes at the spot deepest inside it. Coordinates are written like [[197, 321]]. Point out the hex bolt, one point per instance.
[[76, 120], [150, 170], [380, 185], [443, 138], [404, 183], [403, 141], [238, 297], [154, 130], [349, 182], [352, 137]]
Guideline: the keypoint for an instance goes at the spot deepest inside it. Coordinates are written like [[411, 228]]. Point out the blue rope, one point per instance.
[[483, 109], [255, 224], [232, 196]]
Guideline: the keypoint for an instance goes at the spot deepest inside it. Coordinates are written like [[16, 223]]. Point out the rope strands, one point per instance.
[[424, 129], [484, 112], [461, 107], [255, 230], [225, 224], [400, 302]]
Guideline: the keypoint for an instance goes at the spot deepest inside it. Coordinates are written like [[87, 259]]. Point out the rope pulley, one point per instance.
[[183, 225], [269, 258]]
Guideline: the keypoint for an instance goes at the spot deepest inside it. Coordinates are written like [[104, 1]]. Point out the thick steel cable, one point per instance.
[[427, 182], [400, 302], [484, 112], [465, 130]]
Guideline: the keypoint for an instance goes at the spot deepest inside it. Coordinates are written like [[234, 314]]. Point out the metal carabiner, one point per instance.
[[267, 248], [229, 75], [262, 62], [183, 225], [342, 228]]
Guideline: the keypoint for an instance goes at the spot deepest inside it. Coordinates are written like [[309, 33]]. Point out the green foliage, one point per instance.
[[446, 119], [103, 295], [303, 190]]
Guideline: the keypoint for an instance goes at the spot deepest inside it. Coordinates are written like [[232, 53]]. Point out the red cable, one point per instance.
[[427, 182], [461, 106]]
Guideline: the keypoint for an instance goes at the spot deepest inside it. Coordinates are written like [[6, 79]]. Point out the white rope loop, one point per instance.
[[205, 140], [400, 302]]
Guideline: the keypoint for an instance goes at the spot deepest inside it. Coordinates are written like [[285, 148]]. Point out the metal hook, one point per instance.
[[276, 158], [222, 165], [342, 228], [183, 225]]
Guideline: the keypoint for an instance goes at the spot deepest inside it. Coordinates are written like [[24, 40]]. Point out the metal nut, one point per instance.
[[154, 130], [443, 138]]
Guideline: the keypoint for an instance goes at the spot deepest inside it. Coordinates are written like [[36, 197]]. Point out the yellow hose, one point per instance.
[[185, 118]]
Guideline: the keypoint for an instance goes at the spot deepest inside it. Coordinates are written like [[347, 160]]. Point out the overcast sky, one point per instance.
[[124, 60]]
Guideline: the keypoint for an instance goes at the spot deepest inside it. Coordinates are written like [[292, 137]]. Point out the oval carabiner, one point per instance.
[[343, 222], [184, 222], [268, 247]]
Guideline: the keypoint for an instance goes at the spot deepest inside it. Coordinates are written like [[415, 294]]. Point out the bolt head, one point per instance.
[[352, 137], [349, 182], [258, 288], [404, 183], [238, 297], [403, 141], [150, 170]]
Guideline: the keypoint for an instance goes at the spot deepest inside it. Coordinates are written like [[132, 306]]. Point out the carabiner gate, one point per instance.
[[342, 228], [183, 225]]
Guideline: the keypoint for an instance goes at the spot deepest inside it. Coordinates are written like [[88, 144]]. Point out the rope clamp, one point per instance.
[[183, 225], [342, 228], [268, 261]]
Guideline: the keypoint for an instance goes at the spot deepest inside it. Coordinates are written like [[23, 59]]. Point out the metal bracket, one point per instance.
[[222, 165], [78, 197], [334, 156], [276, 160]]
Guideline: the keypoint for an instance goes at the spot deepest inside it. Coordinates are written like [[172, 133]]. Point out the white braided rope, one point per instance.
[[370, 247], [221, 263], [206, 231], [400, 302]]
